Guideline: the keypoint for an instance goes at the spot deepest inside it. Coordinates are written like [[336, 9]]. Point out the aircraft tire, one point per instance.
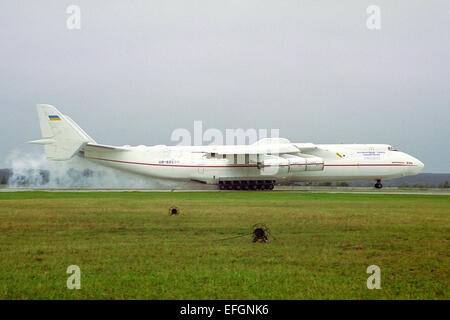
[[378, 185]]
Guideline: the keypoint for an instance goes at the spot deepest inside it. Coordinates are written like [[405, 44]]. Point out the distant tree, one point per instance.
[[325, 184], [4, 180], [342, 184], [444, 185]]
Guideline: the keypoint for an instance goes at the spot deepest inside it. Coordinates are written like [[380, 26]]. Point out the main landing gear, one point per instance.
[[378, 185], [247, 185]]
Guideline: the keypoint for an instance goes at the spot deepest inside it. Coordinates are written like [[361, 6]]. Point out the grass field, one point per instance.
[[128, 247]]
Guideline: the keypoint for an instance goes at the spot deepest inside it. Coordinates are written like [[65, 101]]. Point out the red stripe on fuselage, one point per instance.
[[167, 165], [249, 166]]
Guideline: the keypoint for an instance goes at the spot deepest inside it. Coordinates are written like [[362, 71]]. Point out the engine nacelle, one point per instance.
[[296, 164], [273, 162], [314, 164], [305, 162], [287, 163], [272, 165]]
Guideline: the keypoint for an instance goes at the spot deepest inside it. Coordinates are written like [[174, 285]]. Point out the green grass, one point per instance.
[[364, 189], [128, 247]]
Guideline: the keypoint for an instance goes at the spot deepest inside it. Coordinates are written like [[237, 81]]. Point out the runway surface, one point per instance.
[[315, 190]]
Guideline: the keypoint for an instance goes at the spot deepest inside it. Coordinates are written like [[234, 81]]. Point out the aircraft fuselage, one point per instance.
[[340, 162]]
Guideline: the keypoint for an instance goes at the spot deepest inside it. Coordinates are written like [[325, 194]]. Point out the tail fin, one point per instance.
[[61, 136]]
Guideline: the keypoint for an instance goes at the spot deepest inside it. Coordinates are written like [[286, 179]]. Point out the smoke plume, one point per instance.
[[34, 171]]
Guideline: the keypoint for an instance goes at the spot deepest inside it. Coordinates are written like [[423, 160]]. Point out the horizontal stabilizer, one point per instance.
[[43, 141]]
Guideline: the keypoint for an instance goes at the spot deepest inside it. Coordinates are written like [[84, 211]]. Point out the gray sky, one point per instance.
[[137, 70]]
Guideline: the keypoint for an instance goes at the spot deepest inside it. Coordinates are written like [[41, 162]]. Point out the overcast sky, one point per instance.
[[137, 70]]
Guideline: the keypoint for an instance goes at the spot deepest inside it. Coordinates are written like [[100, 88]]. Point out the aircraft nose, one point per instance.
[[420, 165], [417, 166]]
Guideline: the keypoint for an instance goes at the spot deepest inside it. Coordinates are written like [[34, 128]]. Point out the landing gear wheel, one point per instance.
[[378, 185]]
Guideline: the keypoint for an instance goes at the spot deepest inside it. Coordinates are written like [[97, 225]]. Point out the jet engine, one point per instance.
[[289, 163], [314, 164], [296, 164], [272, 165], [304, 162]]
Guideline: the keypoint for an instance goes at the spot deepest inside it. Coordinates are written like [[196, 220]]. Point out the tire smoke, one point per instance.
[[34, 171]]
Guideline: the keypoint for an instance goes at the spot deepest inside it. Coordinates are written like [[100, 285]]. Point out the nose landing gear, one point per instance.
[[378, 185]]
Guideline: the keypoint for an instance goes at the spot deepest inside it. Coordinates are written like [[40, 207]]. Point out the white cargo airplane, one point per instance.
[[233, 167]]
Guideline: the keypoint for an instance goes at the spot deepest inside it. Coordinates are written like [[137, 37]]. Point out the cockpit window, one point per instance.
[[391, 148]]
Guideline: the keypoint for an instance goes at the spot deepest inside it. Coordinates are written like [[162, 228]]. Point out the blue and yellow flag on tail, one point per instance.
[[54, 118]]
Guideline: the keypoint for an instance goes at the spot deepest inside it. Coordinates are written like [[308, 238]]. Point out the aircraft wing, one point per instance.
[[263, 148], [306, 147], [254, 149]]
